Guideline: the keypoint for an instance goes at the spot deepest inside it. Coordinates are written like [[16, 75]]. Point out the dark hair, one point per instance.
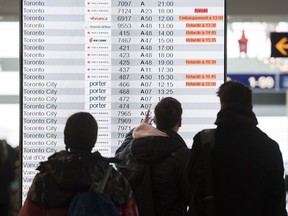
[[80, 133], [168, 113], [232, 92]]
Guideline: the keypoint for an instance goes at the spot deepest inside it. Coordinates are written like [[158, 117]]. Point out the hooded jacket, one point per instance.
[[64, 174], [247, 166], [167, 153]]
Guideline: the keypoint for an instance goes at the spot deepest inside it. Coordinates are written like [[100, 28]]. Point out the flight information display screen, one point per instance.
[[115, 59]]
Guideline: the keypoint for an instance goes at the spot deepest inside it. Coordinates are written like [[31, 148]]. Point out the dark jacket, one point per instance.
[[7, 175], [65, 174], [168, 155], [247, 167]]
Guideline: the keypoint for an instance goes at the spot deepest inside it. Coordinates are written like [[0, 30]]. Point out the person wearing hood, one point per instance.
[[74, 170], [7, 176], [247, 165], [164, 150]]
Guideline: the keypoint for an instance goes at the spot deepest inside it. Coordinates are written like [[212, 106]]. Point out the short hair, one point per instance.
[[233, 92], [80, 133], [168, 113]]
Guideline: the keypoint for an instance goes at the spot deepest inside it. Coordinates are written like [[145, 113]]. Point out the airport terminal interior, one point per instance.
[[249, 26]]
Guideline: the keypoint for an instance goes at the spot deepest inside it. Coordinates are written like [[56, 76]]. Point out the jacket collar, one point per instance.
[[236, 115]]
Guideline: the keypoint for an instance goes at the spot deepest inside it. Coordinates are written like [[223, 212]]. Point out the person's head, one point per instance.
[[168, 114], [80, 133], [235, 93]]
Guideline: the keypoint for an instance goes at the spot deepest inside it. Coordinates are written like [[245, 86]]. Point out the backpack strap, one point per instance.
[[104, 180], [208, 142]]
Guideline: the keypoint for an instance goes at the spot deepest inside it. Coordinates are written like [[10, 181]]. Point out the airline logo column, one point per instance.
[[98, 68]]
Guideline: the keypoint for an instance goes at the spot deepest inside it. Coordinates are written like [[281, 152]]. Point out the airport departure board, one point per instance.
[[115, 59]]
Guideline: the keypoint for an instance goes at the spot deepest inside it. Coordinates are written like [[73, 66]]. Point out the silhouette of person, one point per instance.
[[247, 166], [165, 151], [7, 175], [74, 170]]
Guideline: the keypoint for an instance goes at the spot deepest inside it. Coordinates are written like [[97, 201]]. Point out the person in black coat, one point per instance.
[[76, 169], [166, 152], [247, 165], [7, 175]]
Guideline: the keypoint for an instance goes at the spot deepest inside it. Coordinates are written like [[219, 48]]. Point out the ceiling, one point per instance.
[[257, 7], [9, 9]]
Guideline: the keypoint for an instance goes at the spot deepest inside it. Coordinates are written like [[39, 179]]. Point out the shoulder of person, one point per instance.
[[125, 144], [183, 151]]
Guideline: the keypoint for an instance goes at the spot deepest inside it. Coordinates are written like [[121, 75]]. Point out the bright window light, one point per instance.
[[9, 39], [9, 124], [9, 83]]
